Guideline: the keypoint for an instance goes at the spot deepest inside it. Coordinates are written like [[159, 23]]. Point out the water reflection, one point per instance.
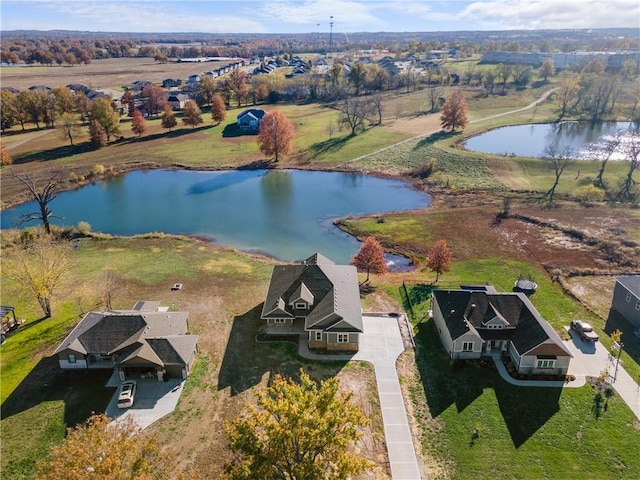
[[579, 140]]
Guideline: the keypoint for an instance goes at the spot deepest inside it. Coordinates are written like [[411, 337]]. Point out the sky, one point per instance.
[[304, 16]]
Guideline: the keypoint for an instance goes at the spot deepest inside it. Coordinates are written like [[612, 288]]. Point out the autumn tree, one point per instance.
[[218, 109], [261, 93], [129, 100], [370, 258], [5, 156], [102, 111], [64, 100], [138, 123], [97, 135], [167, 118], [566, 94], [208, 89], [276, 134], [100, 449], [439, 258], [43, 193], [37, 264], [454, 111], [8, 109], [191, 114], [68, 127], [155, 97], [547, 69], [238, 83], [297, 431]]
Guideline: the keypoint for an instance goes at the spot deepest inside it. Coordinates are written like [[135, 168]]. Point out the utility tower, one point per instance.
[[330, 33]]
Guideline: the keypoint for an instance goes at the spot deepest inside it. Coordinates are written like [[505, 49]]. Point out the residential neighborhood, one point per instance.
[[328, 251]]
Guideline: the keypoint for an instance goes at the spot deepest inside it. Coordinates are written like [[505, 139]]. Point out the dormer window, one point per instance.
[[301, 306]]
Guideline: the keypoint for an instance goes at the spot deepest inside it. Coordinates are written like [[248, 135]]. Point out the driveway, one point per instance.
[[381, 344], [153, 401]]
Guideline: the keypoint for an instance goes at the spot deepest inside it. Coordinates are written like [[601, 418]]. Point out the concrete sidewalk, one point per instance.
[[381, 344], [589, 360]]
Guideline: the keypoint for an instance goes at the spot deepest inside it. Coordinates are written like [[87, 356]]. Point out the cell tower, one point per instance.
[[330, 33]]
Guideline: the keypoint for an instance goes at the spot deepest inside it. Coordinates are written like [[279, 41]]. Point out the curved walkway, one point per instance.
[[380, 345], [541, 99]]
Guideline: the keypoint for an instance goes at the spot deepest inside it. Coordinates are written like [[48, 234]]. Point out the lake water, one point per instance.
[[287, 214], [579, 140]]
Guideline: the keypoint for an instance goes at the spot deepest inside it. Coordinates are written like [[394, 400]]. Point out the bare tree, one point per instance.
[[354, 112], [559, 162], [433, 94], [43, 195], [633, 155], [608, 147]]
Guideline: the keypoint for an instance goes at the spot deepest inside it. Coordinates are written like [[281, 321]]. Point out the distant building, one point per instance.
[[611, 60]]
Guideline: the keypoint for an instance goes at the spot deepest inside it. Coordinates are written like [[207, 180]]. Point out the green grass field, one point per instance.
[[523, 433]]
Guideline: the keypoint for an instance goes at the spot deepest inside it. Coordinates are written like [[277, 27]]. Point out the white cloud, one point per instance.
[[549, 14]]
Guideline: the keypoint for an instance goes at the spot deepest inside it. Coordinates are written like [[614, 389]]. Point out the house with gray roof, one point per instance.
[[482, 322], [146, 341], [626, 298], [317, 299], [249, 120]]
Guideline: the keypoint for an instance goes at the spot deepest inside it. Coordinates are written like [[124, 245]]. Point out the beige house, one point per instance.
[[317, 299], [146, 341], [481, 322]]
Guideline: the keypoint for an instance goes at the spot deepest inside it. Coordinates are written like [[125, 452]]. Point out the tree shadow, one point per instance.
[[434, 137], [524, 409], [246, 362], [83, 392], [331, 145], [54, 153], [172, 134], [232, 130], [615, 321]]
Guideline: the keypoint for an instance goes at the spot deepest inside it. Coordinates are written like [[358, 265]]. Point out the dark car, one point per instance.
[[584, 330]]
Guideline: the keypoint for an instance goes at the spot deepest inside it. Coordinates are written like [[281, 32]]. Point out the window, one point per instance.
[[72, 358], [301, 305], [638, 305], [546, 363], [343, 338], [467, 346], [318, 335], [279, 320], [628, 297]]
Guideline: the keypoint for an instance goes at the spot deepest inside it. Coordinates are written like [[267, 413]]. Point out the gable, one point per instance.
[[112, 332]]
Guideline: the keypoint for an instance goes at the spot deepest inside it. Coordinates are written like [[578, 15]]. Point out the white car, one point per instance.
[[126, 394]]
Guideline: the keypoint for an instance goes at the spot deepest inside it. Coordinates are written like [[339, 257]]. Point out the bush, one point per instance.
[[589, 193], [98, 170], [425, 170], [84, 227]]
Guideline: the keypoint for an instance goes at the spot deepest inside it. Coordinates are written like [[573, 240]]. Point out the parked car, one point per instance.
[[127, 394], [584, 330]]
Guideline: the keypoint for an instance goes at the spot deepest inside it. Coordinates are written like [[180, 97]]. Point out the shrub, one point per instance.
[[589, 193], [98, 170], [84, 227], [425, 170]]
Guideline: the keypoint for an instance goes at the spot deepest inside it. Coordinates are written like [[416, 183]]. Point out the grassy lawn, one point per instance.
[[222, 291], [524, 433]]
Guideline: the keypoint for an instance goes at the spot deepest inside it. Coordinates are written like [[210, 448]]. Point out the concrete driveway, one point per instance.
[[381, 344], [589, 358], [153, 401]]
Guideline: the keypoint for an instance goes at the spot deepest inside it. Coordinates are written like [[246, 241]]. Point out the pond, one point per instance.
[[287, 214], [579, 140]]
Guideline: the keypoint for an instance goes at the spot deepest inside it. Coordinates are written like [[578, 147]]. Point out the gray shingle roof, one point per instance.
[[466, 310], [334, 289]]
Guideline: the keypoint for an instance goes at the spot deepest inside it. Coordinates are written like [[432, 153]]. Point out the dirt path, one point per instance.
[[541, 99]]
